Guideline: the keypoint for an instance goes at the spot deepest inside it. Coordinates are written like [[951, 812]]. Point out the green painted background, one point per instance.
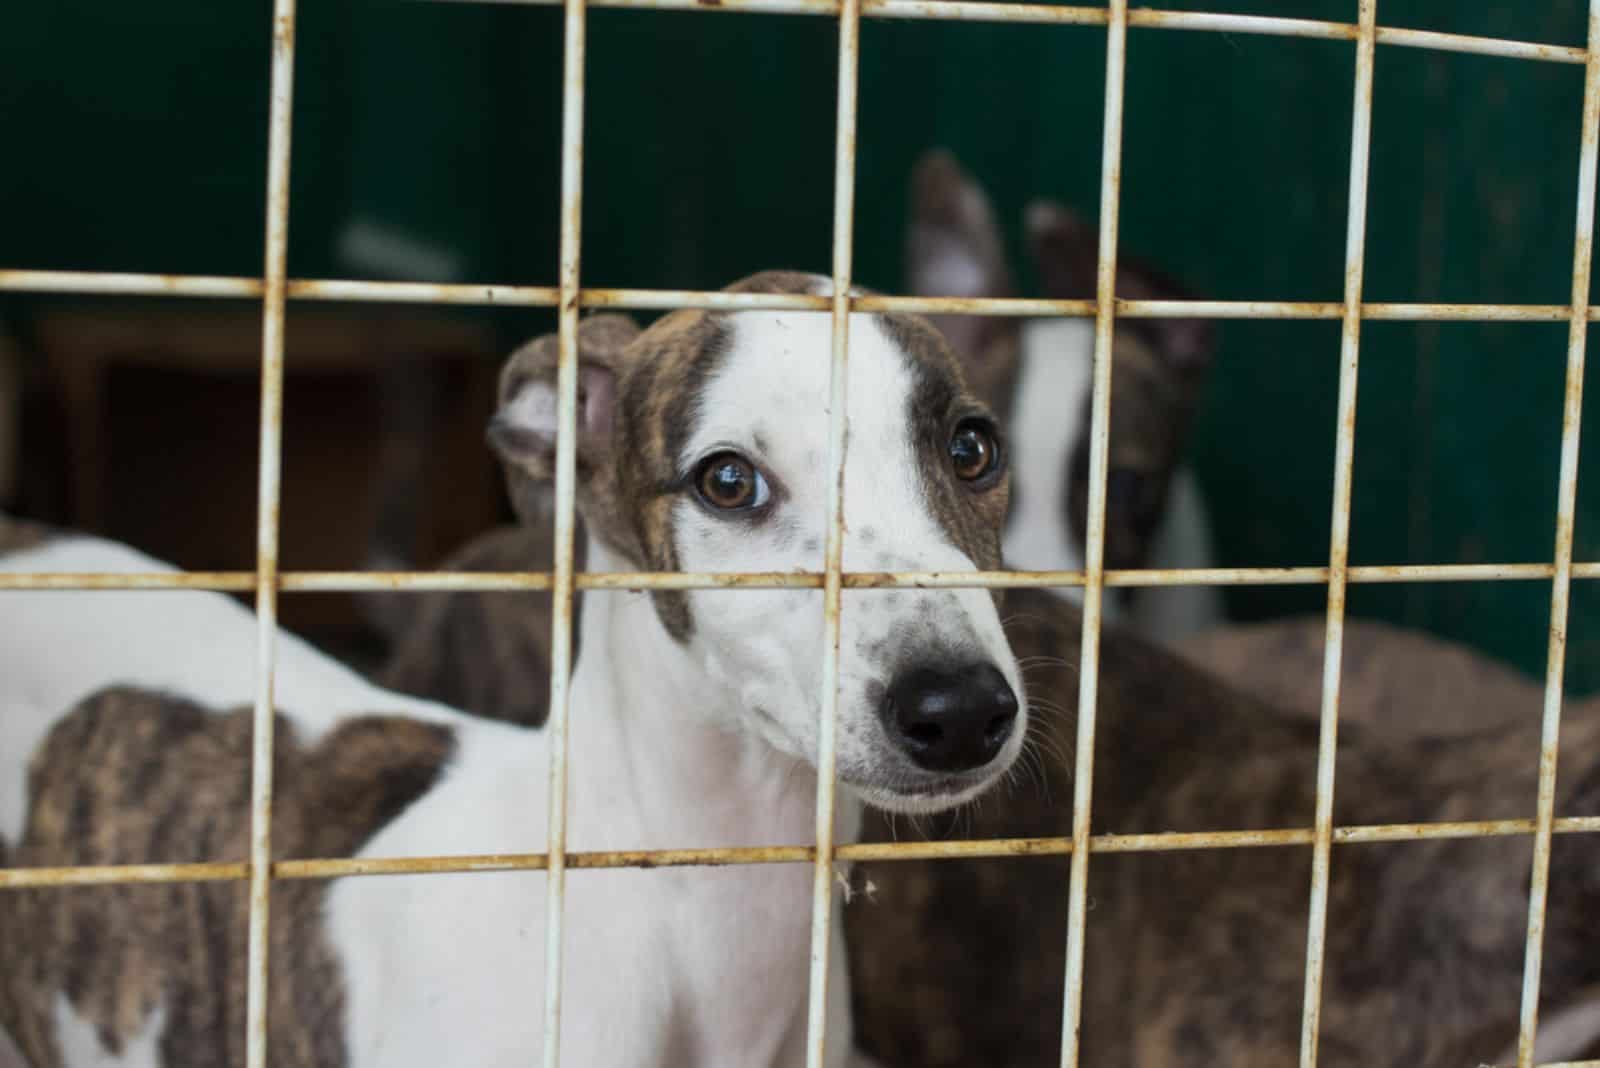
[[134, 139]]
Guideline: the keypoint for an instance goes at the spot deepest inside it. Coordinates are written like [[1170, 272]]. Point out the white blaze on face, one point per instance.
[[1057, 373], [768, 401]]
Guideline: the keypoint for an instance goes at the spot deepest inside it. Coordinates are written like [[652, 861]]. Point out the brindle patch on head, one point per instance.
[[972, 519], [131, 776], [659, 396], [662, 376]]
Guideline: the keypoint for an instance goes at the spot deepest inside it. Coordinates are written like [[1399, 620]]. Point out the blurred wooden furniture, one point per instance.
[[384, 411], [10, 415]]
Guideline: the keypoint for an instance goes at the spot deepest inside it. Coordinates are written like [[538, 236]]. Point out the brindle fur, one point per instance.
[[973, 522], [1158, 372], [1401, 682], [130, 776], [484, 653], [19, 534], [1197, 957]]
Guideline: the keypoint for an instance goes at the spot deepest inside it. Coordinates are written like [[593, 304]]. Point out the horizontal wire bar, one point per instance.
[[1163, 842], [113, 283], [422, 293], [90, 283], [1138, 18], [534, 581]]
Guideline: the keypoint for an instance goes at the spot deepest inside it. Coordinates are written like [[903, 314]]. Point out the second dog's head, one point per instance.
[[703, 446], [1159, 366]]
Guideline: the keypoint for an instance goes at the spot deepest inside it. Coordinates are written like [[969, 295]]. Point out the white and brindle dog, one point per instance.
[[124, 737]]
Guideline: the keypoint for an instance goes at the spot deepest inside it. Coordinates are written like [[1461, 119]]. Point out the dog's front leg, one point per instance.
[[841, 1032], [840, 1051]]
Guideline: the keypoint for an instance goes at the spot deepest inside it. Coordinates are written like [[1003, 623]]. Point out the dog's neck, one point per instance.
[[645, 700]]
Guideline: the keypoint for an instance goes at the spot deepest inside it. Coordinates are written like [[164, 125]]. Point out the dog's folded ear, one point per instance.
[[1065, 251], [954, 249], [523, 430]]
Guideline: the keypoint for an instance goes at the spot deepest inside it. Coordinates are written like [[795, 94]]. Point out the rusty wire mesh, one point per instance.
[[274, 289]]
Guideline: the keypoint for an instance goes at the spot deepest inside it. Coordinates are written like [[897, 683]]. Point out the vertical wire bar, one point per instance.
[[1339, 536], [268, 495], [1094, 564], [565, 519], [844, 199], [1566, 509]]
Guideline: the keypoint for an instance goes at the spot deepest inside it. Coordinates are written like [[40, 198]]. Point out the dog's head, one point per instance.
[[703, 446], [1158, 370], [954, 248]]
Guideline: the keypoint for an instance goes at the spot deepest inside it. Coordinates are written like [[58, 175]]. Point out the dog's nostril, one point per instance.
[[999, 728], [951, 720]]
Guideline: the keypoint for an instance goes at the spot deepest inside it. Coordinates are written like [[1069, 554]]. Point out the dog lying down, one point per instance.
[[1196, 957], [125, 737]]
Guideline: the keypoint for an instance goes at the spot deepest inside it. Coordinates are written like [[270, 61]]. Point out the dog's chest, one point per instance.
[[661, 967]]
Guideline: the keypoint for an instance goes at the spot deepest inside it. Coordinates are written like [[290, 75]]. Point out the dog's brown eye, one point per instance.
[[974, 452], [729, 482]]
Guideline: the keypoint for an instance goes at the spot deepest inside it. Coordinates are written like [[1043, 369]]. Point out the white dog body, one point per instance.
[[693, 724]]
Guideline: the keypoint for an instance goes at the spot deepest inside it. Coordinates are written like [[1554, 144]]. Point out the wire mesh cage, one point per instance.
[[274, 289]]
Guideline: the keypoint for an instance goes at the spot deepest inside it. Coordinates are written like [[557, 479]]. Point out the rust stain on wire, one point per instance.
[[844, 200], [268, 495], [1566, 510], [573, 60], [1139, 18], [274, 289], [351, 290], [514, 581], [1165, 842], [1095, 542], [1339, 537]]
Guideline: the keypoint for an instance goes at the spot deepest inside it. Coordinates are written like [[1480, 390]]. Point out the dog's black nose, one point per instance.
[[950, 720]]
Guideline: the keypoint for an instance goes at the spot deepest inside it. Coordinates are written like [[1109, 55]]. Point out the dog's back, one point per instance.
[[125, 738]]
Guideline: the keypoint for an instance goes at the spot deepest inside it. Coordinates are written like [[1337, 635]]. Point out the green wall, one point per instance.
[[135, 140]]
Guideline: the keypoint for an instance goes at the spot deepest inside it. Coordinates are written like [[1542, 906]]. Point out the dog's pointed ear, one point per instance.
[[1065, 251], [523, 430], [954, 249]]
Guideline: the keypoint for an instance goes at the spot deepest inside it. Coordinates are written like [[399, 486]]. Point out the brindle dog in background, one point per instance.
[[1403, 683], [1038, 374], [1196, 957]]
